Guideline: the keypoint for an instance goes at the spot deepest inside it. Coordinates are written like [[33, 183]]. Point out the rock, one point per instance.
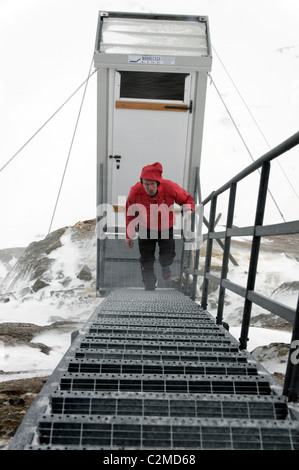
[[39, 284], [279, 377], [21, 331], [66, 281], [24, 292], [271, 321], [16, 396], [33, 263], [5, 298], [18, 334], [53, 246], [85, 274], [83, 230], [272, 350], [41, 265], [273, 356], [39, 262], [287, 287], [13, 334]]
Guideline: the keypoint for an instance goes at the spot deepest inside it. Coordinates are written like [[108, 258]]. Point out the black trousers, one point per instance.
[[148, 240]]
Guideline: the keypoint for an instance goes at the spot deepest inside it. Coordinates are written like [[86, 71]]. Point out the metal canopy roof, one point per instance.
[[152, 39]]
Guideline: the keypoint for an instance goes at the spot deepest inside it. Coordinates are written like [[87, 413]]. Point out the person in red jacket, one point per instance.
[[152, 199]]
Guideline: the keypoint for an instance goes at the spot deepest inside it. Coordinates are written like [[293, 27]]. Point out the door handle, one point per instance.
[[183, 108], [117, 159]]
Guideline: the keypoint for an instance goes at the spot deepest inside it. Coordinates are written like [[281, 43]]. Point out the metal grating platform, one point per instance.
[[152, 370], [119, 267]]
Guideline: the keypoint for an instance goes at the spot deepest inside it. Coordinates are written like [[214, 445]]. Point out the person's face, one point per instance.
[[150, 187]]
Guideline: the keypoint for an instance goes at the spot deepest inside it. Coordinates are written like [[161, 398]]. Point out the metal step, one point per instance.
[[168, 405], [166, 384], [155, 367], [152, 370], [133, 433], [168, 356]]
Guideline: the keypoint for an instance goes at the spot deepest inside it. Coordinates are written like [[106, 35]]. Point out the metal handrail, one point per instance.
[[288, 144], [257, 231]]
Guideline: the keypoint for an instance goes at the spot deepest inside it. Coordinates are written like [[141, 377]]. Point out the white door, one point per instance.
[[151, 116]]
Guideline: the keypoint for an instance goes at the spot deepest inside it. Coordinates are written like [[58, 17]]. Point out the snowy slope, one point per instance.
[[67, 296]]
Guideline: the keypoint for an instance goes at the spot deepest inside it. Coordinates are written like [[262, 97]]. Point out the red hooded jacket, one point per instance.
[[155, 212]]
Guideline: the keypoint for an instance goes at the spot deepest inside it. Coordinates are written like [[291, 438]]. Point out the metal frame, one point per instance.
[[257, 231]]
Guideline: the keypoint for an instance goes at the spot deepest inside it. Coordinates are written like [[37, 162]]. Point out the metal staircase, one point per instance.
[[152, 370], [155, 370]]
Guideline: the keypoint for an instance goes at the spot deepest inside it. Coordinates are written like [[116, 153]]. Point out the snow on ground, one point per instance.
[[24, 361]]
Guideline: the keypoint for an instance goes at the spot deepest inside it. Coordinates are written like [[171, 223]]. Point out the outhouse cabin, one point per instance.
[[151, 89]]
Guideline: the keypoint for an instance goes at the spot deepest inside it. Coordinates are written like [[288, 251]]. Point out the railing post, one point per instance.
[[182, 261], [291, 382], [204, 298], [197, 200], [195, 276], [100, 200], [226, 252], [101, 244], [255, 248], [188, 258], [184, 257]]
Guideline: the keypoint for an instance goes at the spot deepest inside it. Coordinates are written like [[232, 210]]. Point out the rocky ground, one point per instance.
[[18, 334], [16, 396]]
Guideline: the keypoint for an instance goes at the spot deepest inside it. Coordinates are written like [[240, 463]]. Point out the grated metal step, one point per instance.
[[166, 384], [205, 434], [169, 405], [152, 370], [138, 367], [152, 344], [204, 356]]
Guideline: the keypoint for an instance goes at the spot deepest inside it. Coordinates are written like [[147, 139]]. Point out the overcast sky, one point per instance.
[[46, 53]]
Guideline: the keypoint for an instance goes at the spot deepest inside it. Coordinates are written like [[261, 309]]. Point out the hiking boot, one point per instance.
[[151, 287], [166, 272]]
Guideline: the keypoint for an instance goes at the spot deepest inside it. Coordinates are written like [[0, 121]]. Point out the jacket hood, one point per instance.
[[152, 172]]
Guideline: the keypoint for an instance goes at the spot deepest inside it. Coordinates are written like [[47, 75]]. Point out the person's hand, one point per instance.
[[129, 242]]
